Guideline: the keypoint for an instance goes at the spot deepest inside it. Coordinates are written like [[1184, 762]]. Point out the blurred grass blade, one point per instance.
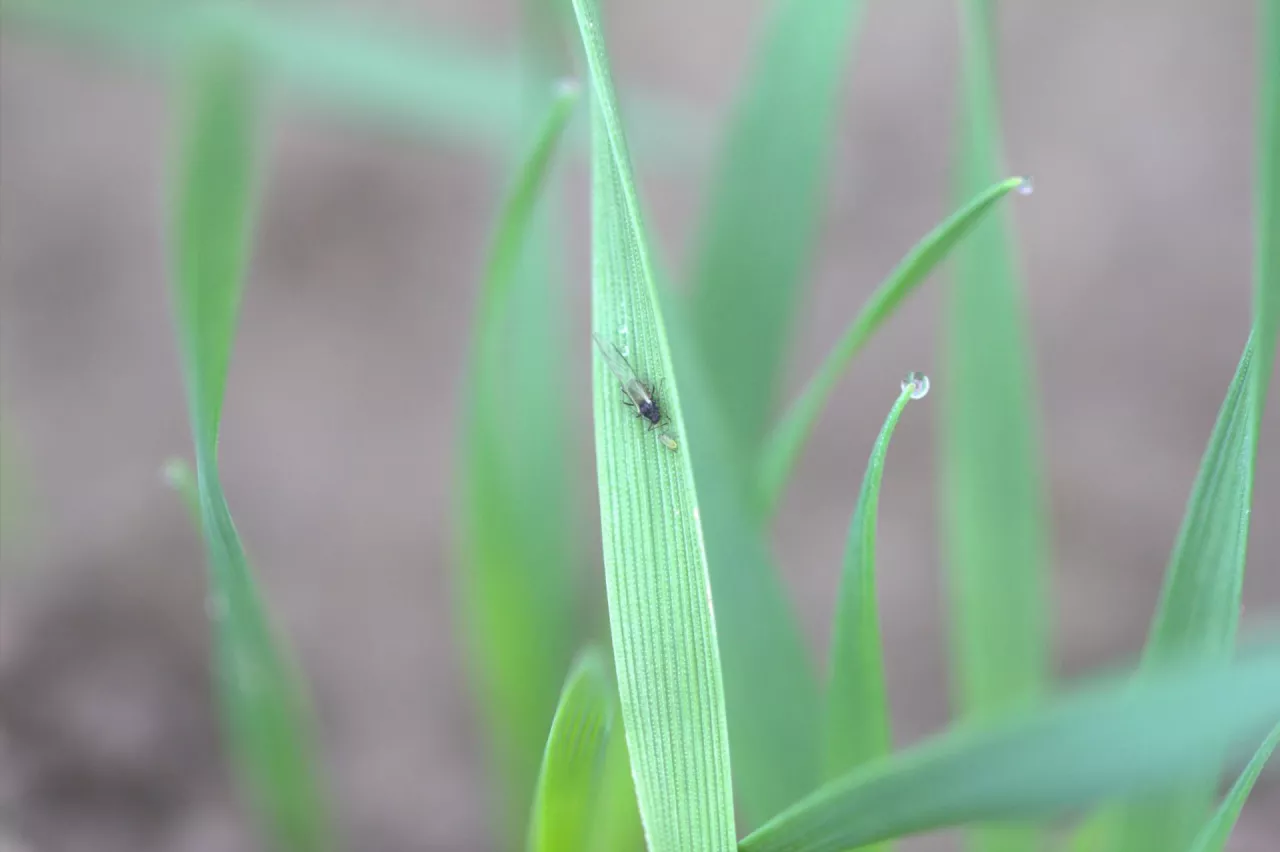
[[857, 700], [1199, 607], [660, 612], [264, 713], [783, 448], [567, 787], [516, 582], [1213, 837], [771, 689], [993, 501], [1105, 743], [764, 208], [432, 85], [617, 820]]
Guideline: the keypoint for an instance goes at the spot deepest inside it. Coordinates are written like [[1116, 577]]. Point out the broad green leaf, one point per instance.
[[660, 613], [1107, 742], [783, 448], [995, 516], [1213, 837], [857, 701], [1200, 602], [566, 792], [765, 206], [265, 715], [516, 583], [436, 86]]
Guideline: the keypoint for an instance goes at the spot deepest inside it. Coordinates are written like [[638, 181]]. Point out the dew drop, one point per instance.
[[917, 383], [1027, 186]]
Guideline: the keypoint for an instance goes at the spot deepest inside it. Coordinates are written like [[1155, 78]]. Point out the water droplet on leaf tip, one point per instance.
[[917, 383], [1027, 186]]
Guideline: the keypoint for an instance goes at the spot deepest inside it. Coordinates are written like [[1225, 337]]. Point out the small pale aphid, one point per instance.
[[668, 442]]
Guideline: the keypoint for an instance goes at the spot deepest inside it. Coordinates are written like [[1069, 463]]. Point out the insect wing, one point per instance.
[[631, 385]]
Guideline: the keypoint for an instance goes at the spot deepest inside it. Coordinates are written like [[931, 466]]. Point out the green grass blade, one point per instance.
[[340, 61], [783, 448], [567, 787], [1108, 742], [660, 613], [1199, 606], [765, 207], [265, 715], [993, 501], [857, 699], [1213, 837], [517, 580]]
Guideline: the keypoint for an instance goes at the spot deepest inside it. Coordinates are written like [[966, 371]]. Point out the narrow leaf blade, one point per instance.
[[994, 505], [264, 711], [660, 612], [857, 700], [1213, 837], [516, 583], [1105, 743], [788, 439], [1199, 607], [564, 803], [765, 207]]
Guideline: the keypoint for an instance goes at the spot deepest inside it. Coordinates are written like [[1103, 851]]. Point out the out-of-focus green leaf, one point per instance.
[[857, 701], [1199, 607], [771, 689], [342, 61], [617, 825], [265, 715], [517, 581], [783, 448], [993, 501], [1108, 742], [1213, 837], [660, 612], [765, 207], [567, 788]]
